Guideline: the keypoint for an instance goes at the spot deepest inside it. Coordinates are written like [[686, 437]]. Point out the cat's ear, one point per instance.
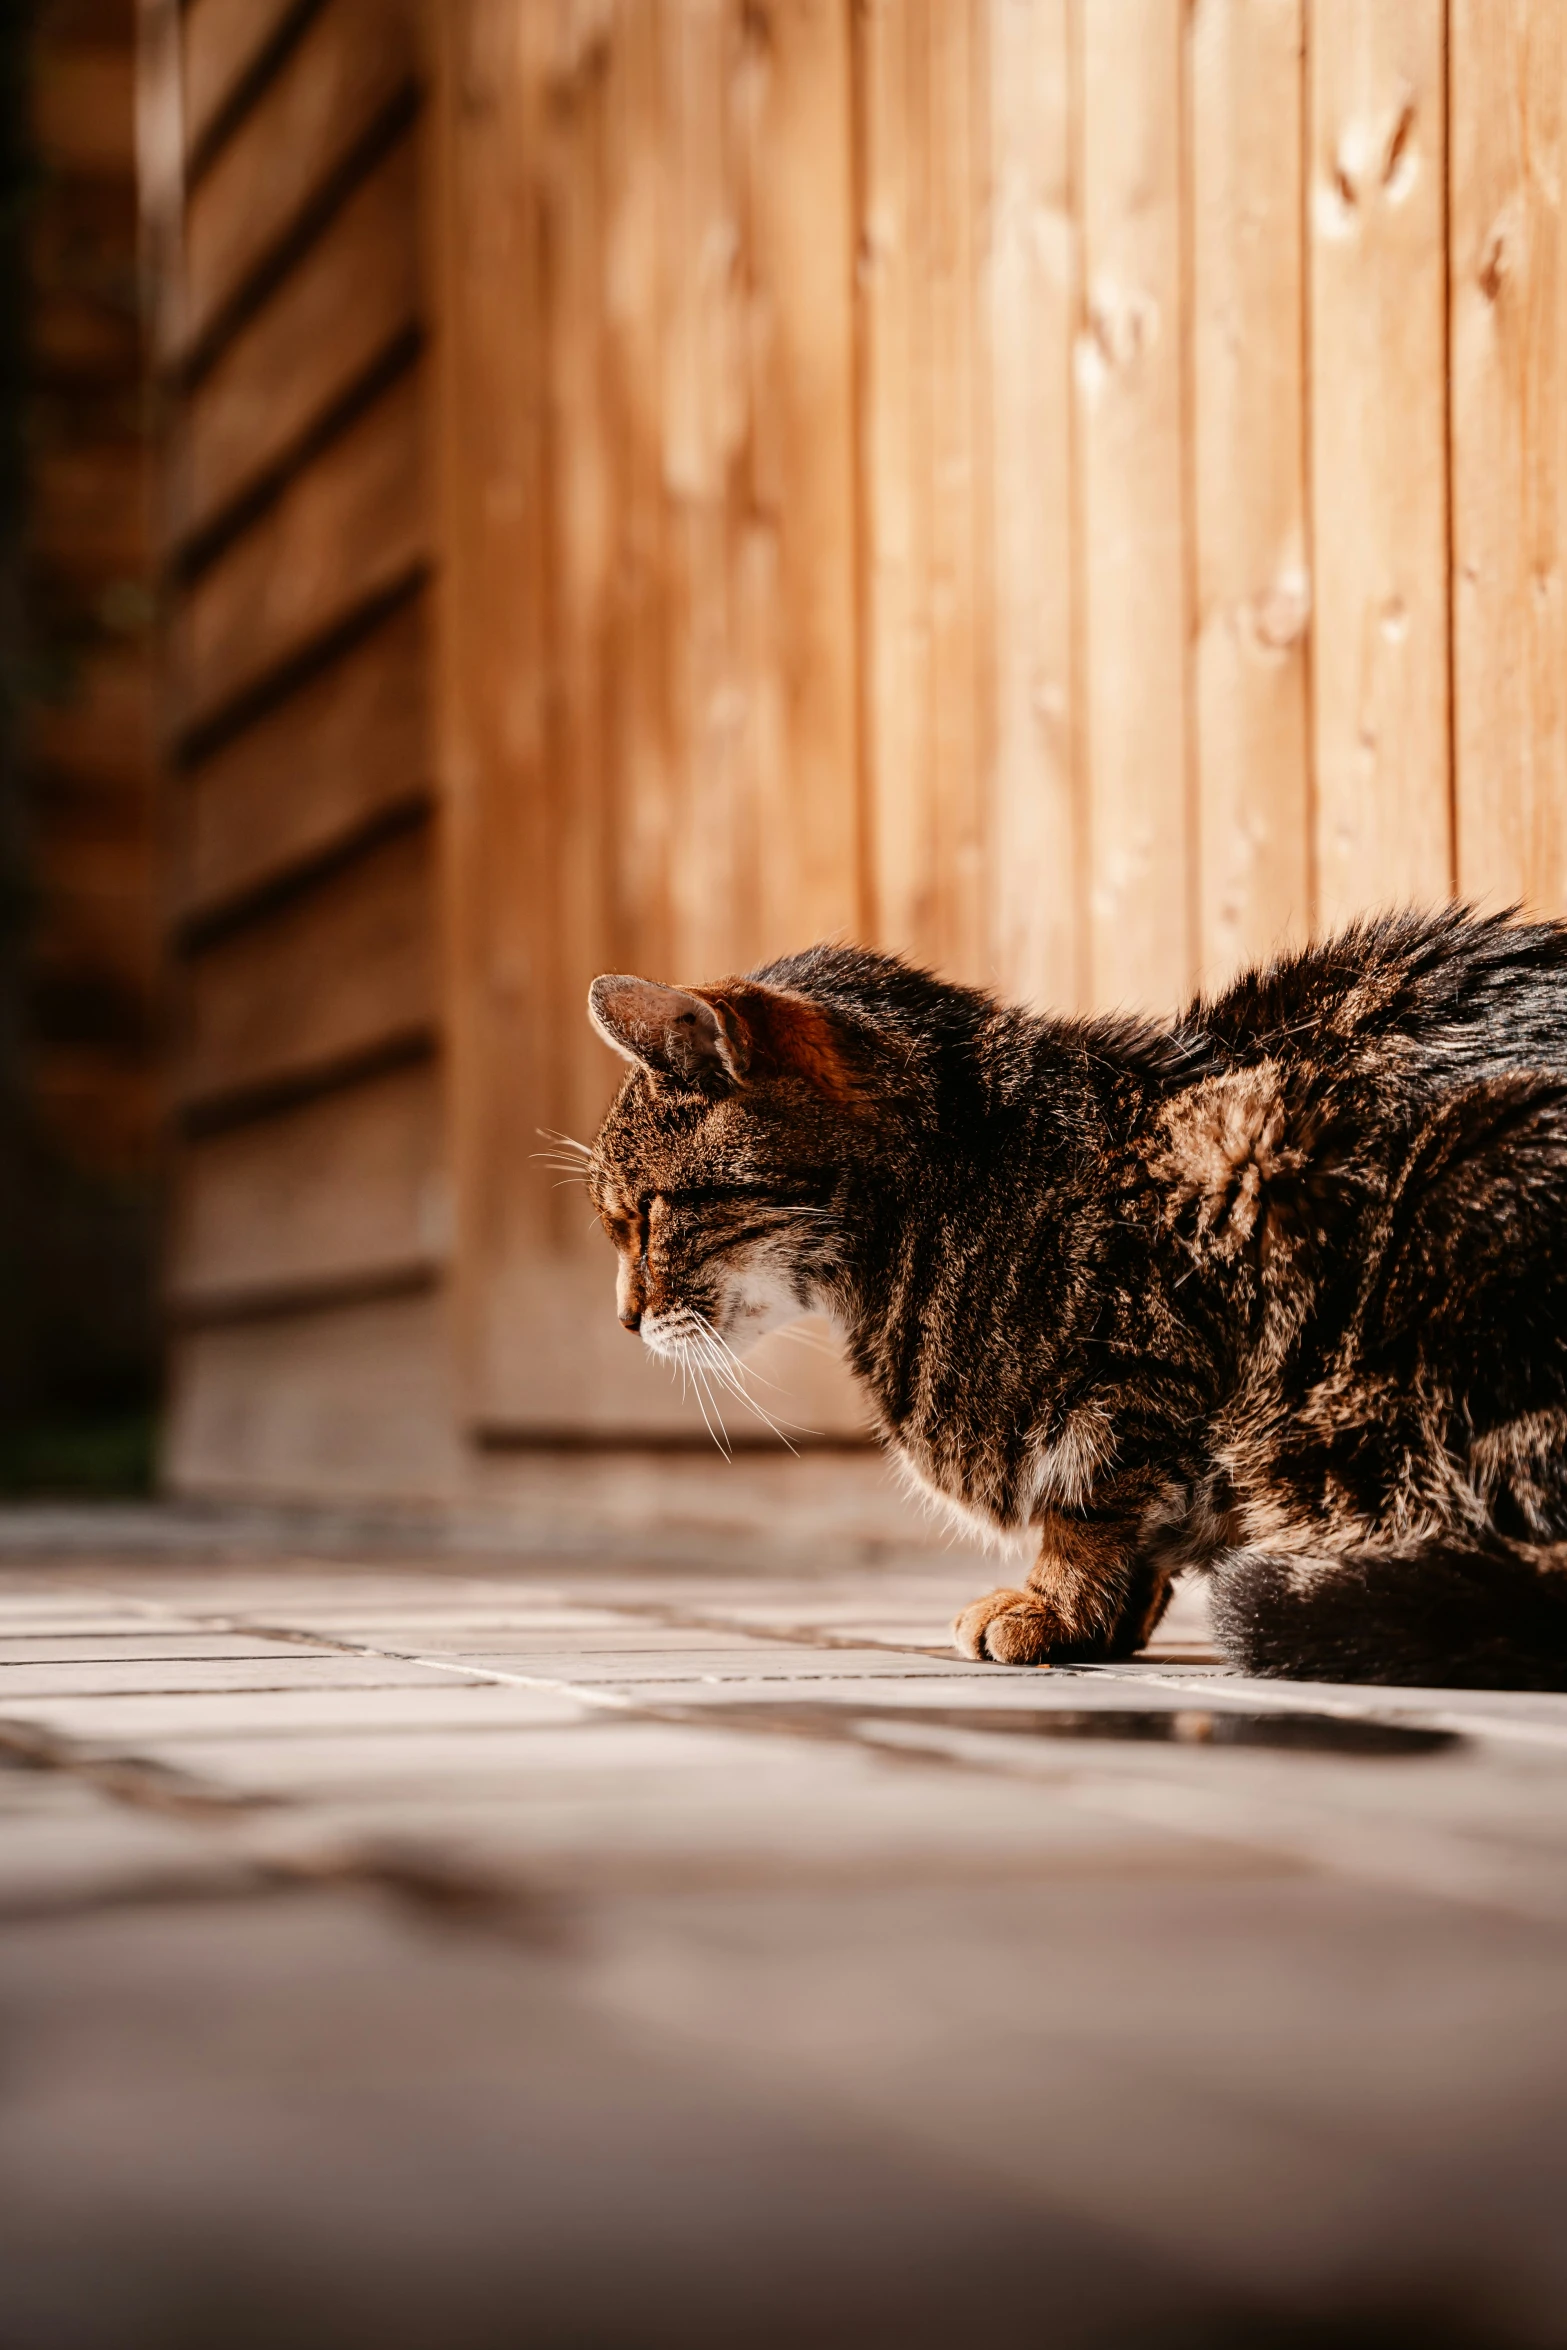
[[670, 1030]]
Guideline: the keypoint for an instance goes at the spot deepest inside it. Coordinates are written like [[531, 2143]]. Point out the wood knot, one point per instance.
[[1399, 161], [1278, 615], [1120, 324]]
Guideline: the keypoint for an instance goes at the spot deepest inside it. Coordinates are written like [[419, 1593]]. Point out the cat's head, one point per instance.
[[719, 1169]]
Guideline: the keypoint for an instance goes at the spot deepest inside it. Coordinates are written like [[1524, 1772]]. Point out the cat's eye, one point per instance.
[[708, 1195]]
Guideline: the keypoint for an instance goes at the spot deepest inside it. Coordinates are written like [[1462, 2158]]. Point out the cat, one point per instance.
[[1277, 1291]]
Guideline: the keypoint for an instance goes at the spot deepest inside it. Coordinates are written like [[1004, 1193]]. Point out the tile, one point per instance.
[[50, 1648], [395, 1702], [282, 1668]]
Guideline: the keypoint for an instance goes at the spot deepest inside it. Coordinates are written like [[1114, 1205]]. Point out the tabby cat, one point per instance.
[[1277, 1292]]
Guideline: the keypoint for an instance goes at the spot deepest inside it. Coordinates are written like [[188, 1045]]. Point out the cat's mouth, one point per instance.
[[710, 1368], [685, 1334], [679, 1335]]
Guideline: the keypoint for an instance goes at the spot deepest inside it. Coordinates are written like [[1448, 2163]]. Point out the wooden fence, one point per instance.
[[1064, 488]]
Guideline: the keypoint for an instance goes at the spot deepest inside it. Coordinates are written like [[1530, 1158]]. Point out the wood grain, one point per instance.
[[711, 868], [894, 469], [1031, 292], [328, 760], [83, 105], [222, 40], [649, 726], [577, 532], [642, 844], [794, 553], [958, 489], [342, 1403], [88, 517], [1377, 145], [349, 298], [328, 977], [99, 737], [350, 527], [1130, 431], [492, 710], [356, 56], [926, 468], [345, 1188], [1253, 597], [971, 473], [98, 867], [1508, 264]]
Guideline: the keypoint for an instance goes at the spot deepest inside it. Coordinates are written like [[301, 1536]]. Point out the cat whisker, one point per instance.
[[684, 1356], [704, 1397], [745, 1370], [729, 1371], [812, 1341], [584, 1150]]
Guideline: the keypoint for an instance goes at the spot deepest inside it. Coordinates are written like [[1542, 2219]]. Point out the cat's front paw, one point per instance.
[[1010, 1628]]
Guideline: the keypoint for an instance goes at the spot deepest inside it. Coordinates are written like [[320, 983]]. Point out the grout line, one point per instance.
[[1445, 1868], [1308, 1697], [1230, 1693]]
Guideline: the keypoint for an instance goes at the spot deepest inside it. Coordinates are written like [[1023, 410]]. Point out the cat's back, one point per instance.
[[1439, 999]]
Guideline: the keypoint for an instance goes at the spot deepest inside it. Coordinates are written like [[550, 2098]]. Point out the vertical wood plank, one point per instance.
[[756, 349], [578, 517], [797, 549], [710, 873], [927, 480], [1031, 297], [1130, 424], [648, 586], [1379, 453], [892, 57], [639, 717], [490, 438], [958, 934], [1508, 261], [1253, 846]]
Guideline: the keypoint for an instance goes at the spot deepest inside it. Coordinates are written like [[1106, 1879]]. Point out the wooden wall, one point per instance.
[[309, 1224], [1064, 488], [93, 801], [650, 669], [981, 475], [79, 932]]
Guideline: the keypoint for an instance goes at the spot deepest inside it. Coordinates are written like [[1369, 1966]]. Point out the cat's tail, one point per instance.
[[1487, 1614]]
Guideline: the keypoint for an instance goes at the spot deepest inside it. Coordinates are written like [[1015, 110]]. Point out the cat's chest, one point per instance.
[[988, 1482]]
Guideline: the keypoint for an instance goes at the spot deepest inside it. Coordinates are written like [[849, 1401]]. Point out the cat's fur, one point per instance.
[[1278, 1291]]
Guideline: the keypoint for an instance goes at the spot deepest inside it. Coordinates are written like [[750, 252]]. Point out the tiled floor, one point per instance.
[[458, 1949]]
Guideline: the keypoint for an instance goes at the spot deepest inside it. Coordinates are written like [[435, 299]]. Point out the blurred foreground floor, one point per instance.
[[458, 1949]]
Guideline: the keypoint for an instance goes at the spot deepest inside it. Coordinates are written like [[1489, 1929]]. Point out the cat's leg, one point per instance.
[[1096, 1590]]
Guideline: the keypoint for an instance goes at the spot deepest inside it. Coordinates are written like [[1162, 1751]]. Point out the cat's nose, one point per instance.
[[631, 1319]]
